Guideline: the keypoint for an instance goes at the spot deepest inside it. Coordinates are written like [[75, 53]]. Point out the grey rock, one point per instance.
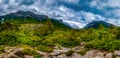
[[28, 56], [118, 57], [117, 53], [75, 55], [108, 55]]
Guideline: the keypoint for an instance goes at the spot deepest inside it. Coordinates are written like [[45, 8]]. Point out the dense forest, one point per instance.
[[45, 34]]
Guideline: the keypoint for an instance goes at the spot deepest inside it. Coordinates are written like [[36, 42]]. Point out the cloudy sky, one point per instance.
[[77, 13]]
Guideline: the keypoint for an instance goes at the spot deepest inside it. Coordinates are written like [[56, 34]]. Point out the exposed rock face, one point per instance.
[[109, 55], [15, 52], [117, 53]]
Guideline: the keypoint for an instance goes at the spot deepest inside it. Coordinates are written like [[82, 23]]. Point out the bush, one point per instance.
[[70, 52], [1, 49], [32, 52], [104, 44], [83, 52], [12, 26], [45, 48], [67, 42], [8, 38], [65, 38]]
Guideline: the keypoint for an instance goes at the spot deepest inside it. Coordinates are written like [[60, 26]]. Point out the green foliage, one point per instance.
[[65, 38], [1, 49], [114, 56], [83, 52], [45, 48], [8, 38], [46, 29], [31, 51], [105, 40], [9, 26], [47, 33], [70, 52], [56, 24], [101, 45]]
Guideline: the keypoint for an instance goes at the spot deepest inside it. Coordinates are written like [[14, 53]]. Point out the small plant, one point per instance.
[[32, 52], [113, 56], [82, 52], [70, 52], [45, 48], [1, 49]]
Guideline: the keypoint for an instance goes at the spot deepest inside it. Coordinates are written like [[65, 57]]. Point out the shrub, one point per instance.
[[1, 49], [83, 52], [32, 52], [8, 38], [70, 52], [104, 44], [67, 42], [45, 48]]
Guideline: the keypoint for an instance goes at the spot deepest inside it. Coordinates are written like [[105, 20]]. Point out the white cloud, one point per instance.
[[104, 4], [111, 9]]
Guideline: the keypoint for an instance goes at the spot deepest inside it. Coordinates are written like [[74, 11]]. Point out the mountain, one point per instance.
[[30, 17], [96, 24], [23, 15], [27, 16]]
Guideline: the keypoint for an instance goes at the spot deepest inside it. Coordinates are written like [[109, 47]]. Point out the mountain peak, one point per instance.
[[23, 12], [96, 24]]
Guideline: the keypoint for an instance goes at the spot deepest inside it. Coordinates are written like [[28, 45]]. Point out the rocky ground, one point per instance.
[[16, 52]]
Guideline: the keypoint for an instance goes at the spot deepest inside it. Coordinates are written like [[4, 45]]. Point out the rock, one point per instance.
[[9, 49], [19, 54], [117, 57], [100, 54], [82, 43], [61, 56], [75, 55], [42, 53], [55, 53], [19, 49], [45, 56], [117, 53], [76, 48], [28, 56], [56, 48], [10, 56], [108, 55], [98, 57], [94, 54], [90, 54], [64, 50]]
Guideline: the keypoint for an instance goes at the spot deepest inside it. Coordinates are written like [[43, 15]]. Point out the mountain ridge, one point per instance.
[[25, 14], [97, 24]]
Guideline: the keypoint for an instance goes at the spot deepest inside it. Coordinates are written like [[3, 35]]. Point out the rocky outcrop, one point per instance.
[[14, 52], [17, 52]]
